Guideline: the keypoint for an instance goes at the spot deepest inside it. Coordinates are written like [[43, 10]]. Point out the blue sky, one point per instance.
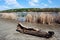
[[11, 4]]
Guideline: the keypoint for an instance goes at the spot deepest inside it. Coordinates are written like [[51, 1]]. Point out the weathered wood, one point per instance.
[[34, 32]]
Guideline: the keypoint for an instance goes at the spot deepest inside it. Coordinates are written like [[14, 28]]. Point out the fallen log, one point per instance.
[[34, 32]]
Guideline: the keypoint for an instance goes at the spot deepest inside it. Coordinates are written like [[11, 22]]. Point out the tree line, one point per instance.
[[33, 10]]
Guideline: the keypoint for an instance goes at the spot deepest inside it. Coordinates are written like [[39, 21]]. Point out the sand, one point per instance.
[[8, 30]]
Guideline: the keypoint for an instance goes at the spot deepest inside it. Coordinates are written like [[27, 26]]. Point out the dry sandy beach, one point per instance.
[[8, 31]]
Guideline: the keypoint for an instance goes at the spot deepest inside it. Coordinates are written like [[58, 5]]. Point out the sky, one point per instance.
[[12, 4]]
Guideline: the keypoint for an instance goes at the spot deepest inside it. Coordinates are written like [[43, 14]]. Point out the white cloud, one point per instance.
[[33, 2], [3, 7], [50, 1], [45, 5], [36, 1], [13, 2]]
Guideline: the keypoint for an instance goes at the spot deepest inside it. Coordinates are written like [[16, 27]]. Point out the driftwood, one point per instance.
[[34, 32]]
